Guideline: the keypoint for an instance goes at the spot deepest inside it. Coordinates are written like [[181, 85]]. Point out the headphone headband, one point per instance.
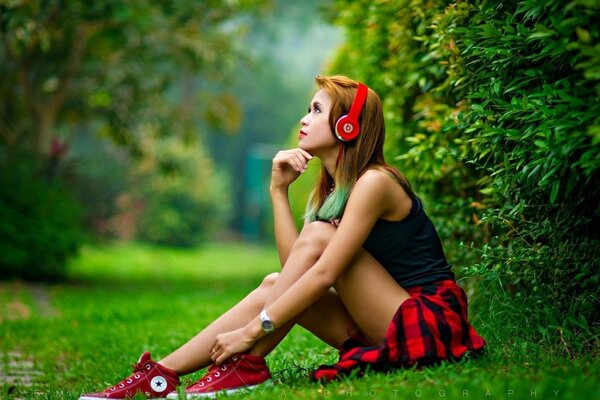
[[347, 127]]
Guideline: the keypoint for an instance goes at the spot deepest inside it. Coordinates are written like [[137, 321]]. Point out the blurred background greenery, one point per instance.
[[150, 121], [157, 121]]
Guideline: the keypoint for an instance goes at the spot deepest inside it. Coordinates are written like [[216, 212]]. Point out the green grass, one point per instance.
[[123, 299]]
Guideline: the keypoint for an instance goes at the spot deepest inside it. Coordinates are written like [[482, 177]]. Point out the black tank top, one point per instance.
[[409, 249]]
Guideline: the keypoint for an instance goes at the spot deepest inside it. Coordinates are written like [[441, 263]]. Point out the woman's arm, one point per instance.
[[370, 198], [286, 232], [287, 166]]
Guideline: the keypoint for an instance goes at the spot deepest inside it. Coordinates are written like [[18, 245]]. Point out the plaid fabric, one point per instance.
[[429, 327]]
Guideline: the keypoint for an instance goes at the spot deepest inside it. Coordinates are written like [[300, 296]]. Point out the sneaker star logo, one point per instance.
[[158, 384]]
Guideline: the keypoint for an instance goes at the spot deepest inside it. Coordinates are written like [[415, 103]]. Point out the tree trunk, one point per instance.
[[48, 110], [46, 122]]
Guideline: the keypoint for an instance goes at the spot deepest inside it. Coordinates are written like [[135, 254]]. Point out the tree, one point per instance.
[[113, 64]]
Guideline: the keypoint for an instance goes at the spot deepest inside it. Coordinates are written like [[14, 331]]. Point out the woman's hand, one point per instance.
[[287, 167], [230, 343]]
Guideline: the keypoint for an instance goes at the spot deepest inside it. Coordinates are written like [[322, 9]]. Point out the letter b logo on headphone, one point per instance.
[[347, 127]]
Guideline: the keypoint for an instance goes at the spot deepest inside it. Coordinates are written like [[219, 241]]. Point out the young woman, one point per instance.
[[366, 274]]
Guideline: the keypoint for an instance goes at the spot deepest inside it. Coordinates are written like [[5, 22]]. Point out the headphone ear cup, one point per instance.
[[347, 128]]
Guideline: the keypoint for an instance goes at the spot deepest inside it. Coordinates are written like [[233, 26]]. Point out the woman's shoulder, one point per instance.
[[374, 179], [383, 186], [378, 177]]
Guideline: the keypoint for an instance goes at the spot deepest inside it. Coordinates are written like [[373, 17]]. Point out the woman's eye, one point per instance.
[[314, 108]]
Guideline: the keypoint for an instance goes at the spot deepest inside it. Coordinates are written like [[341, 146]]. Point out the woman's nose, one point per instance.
[[304, 120]]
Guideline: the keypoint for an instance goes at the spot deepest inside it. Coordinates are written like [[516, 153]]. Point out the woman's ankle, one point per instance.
[[256, 351]]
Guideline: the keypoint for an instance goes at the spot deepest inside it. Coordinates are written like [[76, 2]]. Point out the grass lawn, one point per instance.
[[58, 341]]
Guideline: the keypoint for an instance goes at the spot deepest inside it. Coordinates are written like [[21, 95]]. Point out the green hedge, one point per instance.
[[493, 112]]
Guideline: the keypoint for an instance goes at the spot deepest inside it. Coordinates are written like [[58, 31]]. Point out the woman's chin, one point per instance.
[[314, 151], [304, 146]]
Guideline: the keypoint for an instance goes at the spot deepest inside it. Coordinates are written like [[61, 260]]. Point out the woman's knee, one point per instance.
[[262, 291], [269, 280], [315, 236]]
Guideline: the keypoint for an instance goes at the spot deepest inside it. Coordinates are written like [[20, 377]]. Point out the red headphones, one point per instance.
[[347, 127]]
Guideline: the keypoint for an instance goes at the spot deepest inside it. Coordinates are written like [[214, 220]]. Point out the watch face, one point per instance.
[[267, 326]]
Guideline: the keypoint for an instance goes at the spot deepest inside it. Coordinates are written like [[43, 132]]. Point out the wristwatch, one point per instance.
[[266, 323]]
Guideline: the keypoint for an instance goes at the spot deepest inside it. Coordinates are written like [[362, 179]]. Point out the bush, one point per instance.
[[403, 50], [40, 224], [493, 112], [534, 120], [184, 200], [98, 176]]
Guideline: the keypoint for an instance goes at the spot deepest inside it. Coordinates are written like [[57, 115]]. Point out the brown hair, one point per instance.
[[366, 152]]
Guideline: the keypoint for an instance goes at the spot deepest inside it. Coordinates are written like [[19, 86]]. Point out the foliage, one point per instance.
[[532, 122], [40, 224], [392, 48], [112, 63], [100, 179], [183, 200], [493, 113]]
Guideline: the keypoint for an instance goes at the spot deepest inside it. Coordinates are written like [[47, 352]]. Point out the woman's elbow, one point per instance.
[[325, 279]]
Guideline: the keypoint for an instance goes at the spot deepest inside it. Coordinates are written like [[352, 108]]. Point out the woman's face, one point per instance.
[[315, 136]]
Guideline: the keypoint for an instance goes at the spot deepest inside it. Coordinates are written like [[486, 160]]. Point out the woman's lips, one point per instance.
[[301, 134]]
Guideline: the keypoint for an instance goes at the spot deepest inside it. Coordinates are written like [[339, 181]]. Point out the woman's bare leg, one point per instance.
[[365, 298], [333, 319], [367, 295], [195, 354], [327, 318], [370, 295]]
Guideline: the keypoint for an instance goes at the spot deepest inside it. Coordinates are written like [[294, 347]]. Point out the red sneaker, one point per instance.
[[149, 378], [241, 372]]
